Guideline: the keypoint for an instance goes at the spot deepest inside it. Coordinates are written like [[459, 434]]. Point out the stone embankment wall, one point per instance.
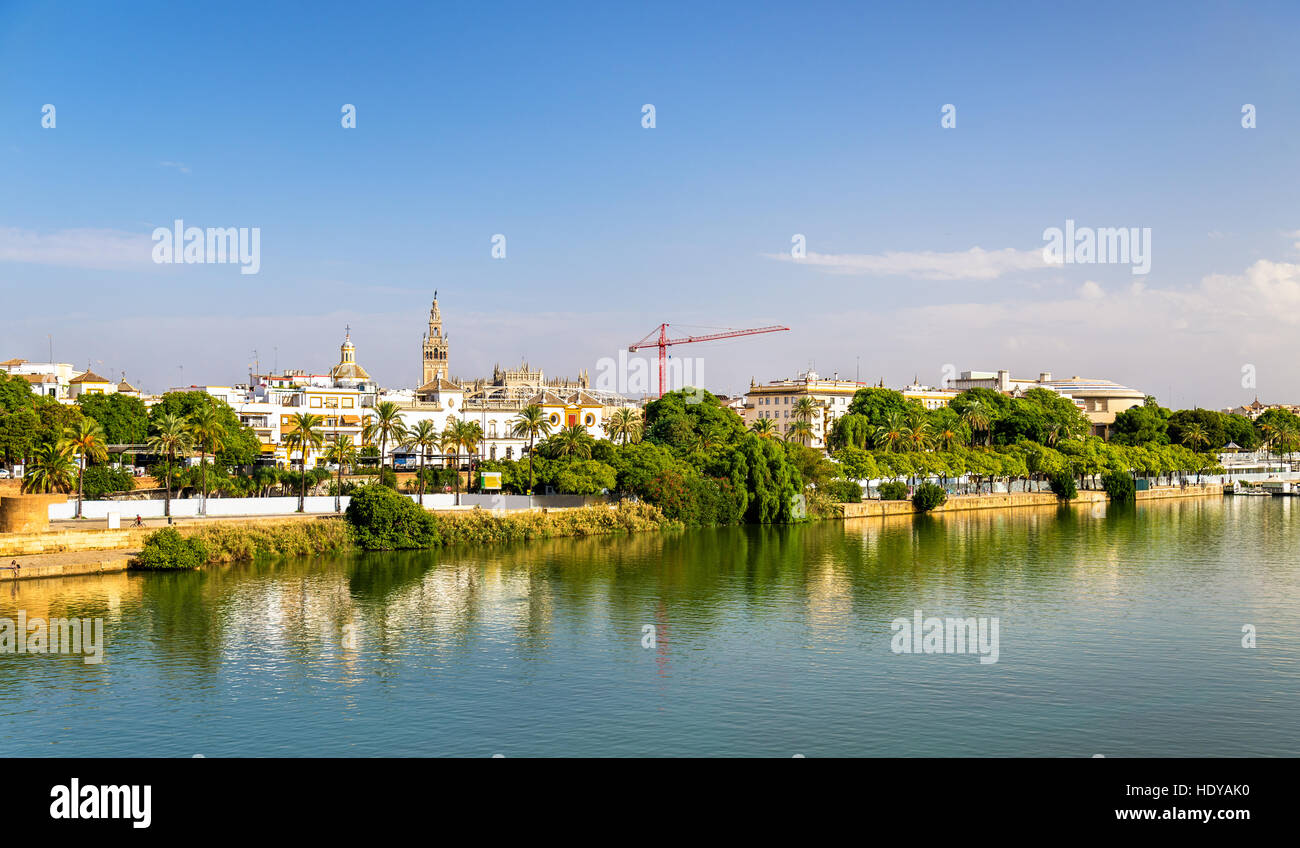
[[870, 509]]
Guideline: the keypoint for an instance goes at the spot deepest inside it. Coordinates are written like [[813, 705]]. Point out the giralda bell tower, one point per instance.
[[435, 347]]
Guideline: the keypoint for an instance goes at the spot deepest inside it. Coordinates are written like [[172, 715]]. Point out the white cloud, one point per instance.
[[101, 249], [180, 166], [974, 264], [1090, 290]]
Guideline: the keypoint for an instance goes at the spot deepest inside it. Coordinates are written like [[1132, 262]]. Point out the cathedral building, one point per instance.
[[495, 402]]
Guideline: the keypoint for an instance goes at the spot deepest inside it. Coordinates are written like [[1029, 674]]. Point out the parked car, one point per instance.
[[4, 473]]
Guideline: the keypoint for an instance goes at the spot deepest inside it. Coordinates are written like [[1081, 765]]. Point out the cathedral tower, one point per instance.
[[435, 347]]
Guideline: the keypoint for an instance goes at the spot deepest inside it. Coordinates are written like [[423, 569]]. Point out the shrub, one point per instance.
[[383, 520], [1063, 487], [928, 496], [1119, 486], [235, 542], [168, 549], [843, 491], [482, 526], [893, 491], [101, 480], [388, 477]]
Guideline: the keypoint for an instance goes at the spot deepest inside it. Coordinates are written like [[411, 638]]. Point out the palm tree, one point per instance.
[[799, 431], [531, 422], [918, 435], [977, 418], [449, 442], [892, 435], [423, 437], [51, 471], [470, 434], [305, 436], [385, 424], [85, 441], [625, 425], [573, 440], [171, 436], [1286, 435], [764, 428], [343, 452], [1194, 434], [948, 437], [209, 434]]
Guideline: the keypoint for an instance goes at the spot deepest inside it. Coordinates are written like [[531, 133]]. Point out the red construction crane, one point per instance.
[[662, 342]]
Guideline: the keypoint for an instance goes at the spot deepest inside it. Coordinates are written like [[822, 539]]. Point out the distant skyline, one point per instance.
[[775, 127]]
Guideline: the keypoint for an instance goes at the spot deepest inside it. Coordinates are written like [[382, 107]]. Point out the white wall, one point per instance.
[[189, 507]]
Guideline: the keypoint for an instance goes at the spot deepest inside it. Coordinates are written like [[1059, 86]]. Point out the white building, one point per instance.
[[777, 401]]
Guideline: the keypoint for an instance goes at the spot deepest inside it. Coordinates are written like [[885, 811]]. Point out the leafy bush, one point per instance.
[[893, 491], [101, 480], [255, 540], [1119, 486], [1063, 487], [388, 477], [482, 526], [843, 491], [383, 520], [928, 496], [167, 549]]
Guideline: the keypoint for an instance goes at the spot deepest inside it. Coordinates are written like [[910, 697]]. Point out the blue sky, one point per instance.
[[525, 120]]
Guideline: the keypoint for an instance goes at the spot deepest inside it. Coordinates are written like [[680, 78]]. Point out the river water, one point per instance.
[[1119, 632]]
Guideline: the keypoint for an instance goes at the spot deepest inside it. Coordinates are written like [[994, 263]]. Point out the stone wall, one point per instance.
[[870, 509], [26, 513]]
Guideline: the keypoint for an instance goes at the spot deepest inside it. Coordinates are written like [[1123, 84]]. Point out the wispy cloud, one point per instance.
[[974, 264], [180, 166], [78, 248]]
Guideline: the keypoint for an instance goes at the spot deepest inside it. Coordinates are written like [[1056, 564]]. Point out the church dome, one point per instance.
[[348, 369]]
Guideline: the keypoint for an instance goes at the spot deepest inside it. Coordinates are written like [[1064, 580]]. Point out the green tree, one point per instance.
[[891, 436], [876, 405], [385, 424], [171, 438], [51, 471], [15, 393], [18, 431], [208, 432], [572, 441], [342, 452], [1209, 423], [530, 423], [241, 447], [424, 437], [86, 443], [624, 425], [124, 418], [1142, 424], [304, 436]]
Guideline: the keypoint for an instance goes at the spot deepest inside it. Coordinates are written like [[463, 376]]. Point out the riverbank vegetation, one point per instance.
[[989, 437], [379, 519]]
